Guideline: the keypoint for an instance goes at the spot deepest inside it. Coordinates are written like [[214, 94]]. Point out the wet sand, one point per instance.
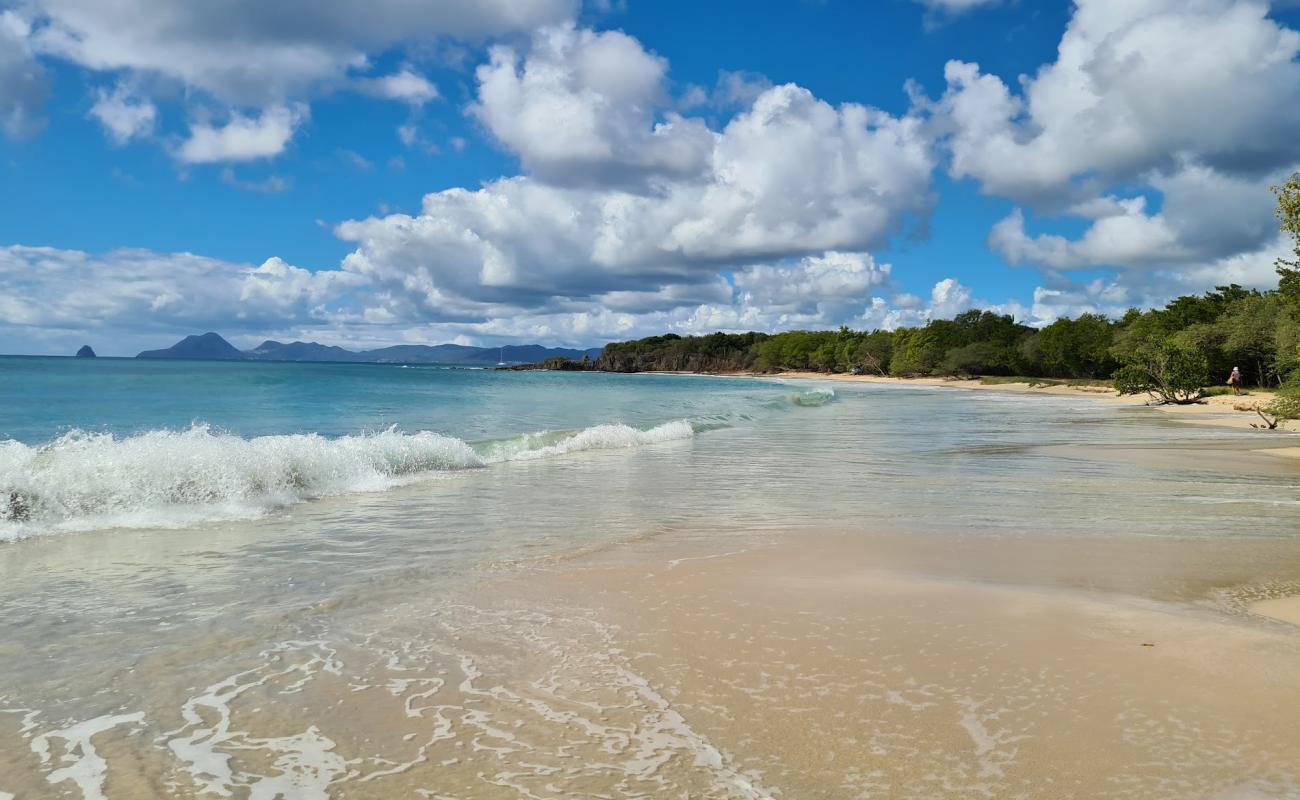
[[834, 666], [1286, 609], [802, 664], [1224, 410]]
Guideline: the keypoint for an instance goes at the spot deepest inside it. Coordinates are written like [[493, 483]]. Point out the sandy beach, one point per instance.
[[1225, 409], [844, 666]]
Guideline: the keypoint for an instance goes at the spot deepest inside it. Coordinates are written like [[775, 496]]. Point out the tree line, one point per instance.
[[1172, 352]]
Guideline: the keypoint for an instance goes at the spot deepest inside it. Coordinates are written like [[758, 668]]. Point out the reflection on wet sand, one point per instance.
[[822, 667]]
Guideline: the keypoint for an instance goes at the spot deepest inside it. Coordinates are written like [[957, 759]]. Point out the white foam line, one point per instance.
[[673, 562], [88, 768], [307, 762], [706, 755]]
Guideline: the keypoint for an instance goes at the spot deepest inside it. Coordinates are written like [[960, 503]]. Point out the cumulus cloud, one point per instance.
[[1128, 94], [238, 54], [607, 90], [53, 300], [1152, 288], [135, 297], [405, 85], [254, 53], [23, 83], [123, 115], [1161, 124], [242, 138], [831, 287], [789, 177]]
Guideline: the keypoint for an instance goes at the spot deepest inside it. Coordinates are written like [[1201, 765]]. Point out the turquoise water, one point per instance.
[[127, 443], [42, 398], [214, 575]]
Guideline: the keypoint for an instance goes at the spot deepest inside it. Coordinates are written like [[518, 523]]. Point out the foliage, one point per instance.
[[1286, 405], [1199, 337], [1078, 347], [1169, 372], [1288, 215]]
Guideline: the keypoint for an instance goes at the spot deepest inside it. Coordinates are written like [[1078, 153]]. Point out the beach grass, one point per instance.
[[1000, 380]]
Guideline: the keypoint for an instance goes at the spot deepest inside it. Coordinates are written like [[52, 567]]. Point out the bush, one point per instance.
[[1286, 405], [1167, 372]]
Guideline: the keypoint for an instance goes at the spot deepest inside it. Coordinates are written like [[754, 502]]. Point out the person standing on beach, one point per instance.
[[1234, 380]]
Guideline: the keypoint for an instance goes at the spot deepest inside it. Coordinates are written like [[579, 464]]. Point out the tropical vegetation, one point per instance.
[[1172, 353]]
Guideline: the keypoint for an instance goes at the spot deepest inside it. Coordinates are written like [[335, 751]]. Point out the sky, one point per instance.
[[574, 172]]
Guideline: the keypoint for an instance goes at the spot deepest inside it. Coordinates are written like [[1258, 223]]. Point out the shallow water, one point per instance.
[[312, 621]]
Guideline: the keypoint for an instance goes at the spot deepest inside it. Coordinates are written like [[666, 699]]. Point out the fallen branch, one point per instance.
[[1269, 424]]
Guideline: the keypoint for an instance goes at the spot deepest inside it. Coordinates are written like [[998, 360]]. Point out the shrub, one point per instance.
[[1166, 372]]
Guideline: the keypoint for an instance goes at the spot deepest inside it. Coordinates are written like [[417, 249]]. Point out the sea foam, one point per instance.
[[176, 478]]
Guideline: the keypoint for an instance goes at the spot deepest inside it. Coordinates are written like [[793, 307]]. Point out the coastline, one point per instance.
[[897, 594], [1219, 410]]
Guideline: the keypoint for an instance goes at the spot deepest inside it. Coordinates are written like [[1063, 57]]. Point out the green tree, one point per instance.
[[1169, 373], [1286, 405], [1250, 327], [872, 352], [1078, 348], [1288, 215]]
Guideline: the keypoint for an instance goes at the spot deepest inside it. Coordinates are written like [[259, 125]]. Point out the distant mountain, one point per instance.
[[300, 351], [86, 351], [474, 356], [210, 346]]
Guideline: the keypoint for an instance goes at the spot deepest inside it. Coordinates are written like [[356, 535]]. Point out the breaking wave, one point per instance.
[[813, 398], [177, 478]]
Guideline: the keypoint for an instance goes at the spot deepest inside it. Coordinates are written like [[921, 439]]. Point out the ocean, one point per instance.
[[274, 580]]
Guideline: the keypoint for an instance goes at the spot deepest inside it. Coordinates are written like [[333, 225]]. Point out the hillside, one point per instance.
[[212, 347]]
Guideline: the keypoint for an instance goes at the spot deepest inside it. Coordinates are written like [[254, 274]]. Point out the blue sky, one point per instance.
[[265, 174]]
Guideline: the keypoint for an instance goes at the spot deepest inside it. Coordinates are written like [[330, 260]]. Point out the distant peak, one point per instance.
[[205, 346], [86, 351]]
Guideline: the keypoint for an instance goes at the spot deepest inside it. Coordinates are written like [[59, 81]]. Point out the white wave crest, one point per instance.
[[601, 437], [176, 478]]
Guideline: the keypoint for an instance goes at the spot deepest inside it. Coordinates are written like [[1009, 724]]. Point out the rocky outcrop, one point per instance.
[[86, 352]]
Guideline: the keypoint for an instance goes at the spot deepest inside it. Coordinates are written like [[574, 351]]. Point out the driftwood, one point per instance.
[[1269, 424]]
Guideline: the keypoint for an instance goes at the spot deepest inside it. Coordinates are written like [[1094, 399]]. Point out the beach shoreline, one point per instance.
[[895, 594], [1220, 410]]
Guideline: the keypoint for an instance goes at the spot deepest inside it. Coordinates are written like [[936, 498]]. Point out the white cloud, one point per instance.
[[405, 85], [1131, 92], [123, 115], [254, 53], [23, 82], [607, 90], [789, 177], [242, 138], [1153, 288], [137, 298], [832, 286], [956, 6], [126, 300], [1161, 124], [237, 54]]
